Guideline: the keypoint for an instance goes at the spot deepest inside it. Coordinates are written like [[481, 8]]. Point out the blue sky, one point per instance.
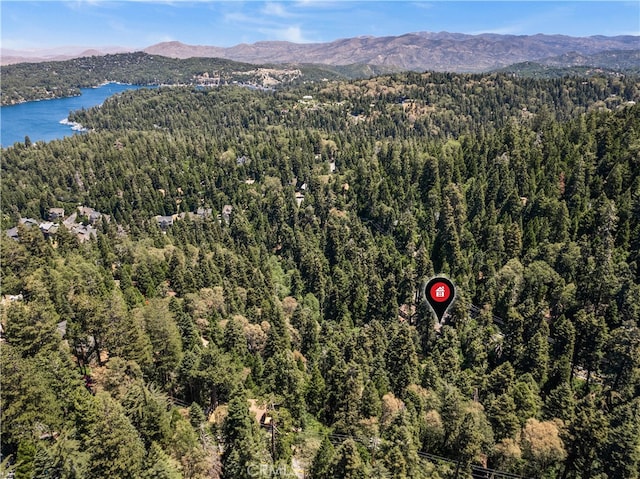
[[137, 24]]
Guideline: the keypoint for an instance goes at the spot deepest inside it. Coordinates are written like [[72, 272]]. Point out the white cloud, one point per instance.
[[423, 5], [294, 34], [319, 3], [276, 10], [237, 17], [291, 33], [79, 5], [272, 20]]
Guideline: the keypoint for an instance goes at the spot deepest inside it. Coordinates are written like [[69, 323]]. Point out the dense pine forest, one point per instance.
[[251, 301]]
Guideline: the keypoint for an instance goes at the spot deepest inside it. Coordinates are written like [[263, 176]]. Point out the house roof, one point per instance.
[[203, 211], [13, 232], [49, 227], [29, 222]]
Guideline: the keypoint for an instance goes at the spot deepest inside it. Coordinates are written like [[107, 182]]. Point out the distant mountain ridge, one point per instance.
[[611, 62], [614, 59], [442, 51], [10, 56]]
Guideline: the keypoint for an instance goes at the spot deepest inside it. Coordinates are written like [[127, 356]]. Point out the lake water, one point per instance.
[[40, 120]]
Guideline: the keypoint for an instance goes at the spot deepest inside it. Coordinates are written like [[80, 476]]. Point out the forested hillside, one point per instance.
[[614, 62], [36, 81], [251, 304]]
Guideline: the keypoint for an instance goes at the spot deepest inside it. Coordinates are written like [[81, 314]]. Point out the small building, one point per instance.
[[29, 222], [13, 233], [61, 327], [49, 228], [266, 421], [56, 213], [70, 220], [164, 221], [85, 233], [204, 212], [93, 215], [299, 198], [226, 213], [13, 297]]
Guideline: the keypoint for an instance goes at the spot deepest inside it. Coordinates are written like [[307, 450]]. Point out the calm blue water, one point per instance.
[[40, 120]]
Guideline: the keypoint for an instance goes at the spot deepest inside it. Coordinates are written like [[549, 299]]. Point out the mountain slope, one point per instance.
[[611, 62], [420, 51], [413, 51]]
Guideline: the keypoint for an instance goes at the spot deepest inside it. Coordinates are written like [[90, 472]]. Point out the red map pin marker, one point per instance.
[[440, 293]]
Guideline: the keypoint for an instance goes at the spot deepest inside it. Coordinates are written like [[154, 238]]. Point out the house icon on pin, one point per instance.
[[440, 292]]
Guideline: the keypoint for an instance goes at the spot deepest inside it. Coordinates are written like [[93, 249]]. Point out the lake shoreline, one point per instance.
[[41, 120], [61, 97]]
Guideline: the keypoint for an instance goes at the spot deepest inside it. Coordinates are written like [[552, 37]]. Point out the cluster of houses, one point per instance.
[[166, 221], [81, 223], [259, 78], [201, 213], [301, 187]]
